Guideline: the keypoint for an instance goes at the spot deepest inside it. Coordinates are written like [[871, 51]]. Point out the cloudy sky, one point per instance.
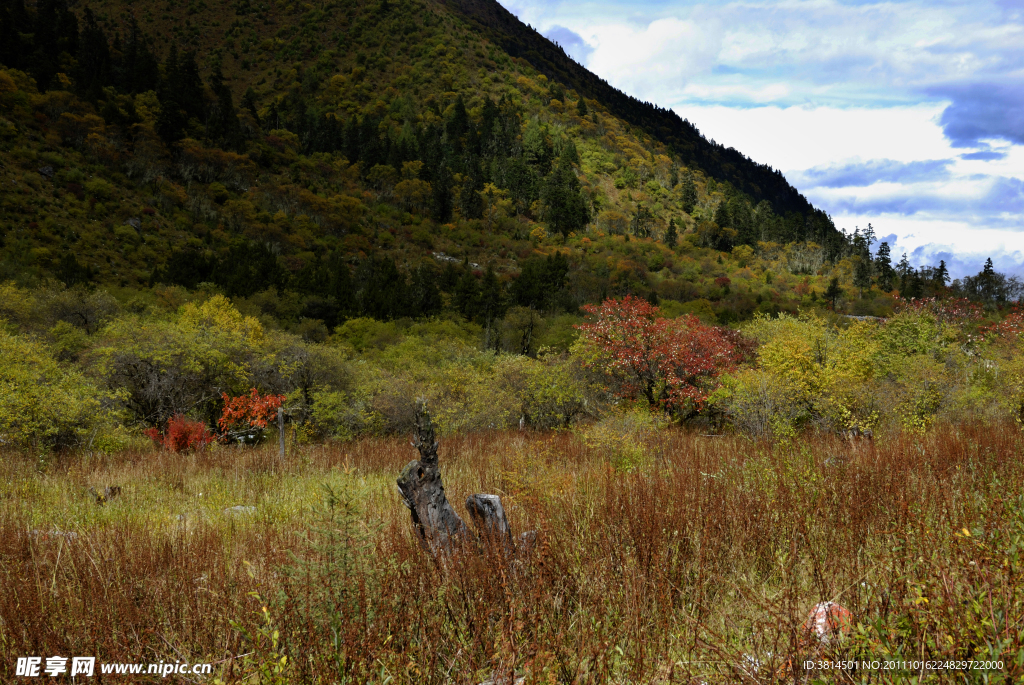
[[907, 115]]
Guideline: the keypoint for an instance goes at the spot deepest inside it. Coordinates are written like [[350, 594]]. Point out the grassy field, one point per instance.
[[662, 556]]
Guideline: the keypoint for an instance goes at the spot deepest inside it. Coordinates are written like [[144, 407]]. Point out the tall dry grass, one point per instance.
[[700, 565]]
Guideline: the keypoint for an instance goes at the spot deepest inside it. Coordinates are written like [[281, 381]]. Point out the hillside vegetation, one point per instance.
[[408, 196], [715, 409]]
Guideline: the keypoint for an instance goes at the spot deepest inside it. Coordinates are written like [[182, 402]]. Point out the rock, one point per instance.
[[134, 222], [442, 257], [46, 172], [240, 509], [527, 541]]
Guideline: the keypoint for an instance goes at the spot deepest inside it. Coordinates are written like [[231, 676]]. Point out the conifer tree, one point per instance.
[[689, 194], [722, 215], [173, 118], [883, 265], [671, 236], [138, 69], [467, 295], [423, 292], [833, 292], [903, 272], [567, 210], [222, 123], [641, 221], [93, 58], [491, 304]]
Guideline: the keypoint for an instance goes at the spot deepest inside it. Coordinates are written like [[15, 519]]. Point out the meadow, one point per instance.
[[663, 555]]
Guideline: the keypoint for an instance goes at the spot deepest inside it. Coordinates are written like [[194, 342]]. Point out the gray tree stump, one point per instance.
[[438, 528], [437, 525], [488, 516]]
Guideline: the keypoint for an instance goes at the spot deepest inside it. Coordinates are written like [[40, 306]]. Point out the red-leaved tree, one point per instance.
[[671, 363], [248, 412], [181, 434]]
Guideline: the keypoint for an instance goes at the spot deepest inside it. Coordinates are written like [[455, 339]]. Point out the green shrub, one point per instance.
[[625, 438], [99, 189], [44, 404]]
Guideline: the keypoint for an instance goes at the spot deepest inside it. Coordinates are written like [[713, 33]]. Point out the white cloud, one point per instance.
[[657, 57], [830, 92], [793, 138], [964, 246]]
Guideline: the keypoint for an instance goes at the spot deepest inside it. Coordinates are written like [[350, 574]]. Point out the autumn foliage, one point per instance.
[[247, 412], [242, 413], [956, 311], [182, 434], [671, 363]]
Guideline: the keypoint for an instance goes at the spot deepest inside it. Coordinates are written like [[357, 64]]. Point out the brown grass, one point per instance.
[[702, 566]]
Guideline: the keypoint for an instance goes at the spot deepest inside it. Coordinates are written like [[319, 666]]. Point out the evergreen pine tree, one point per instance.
[[640, 223], [581, 107], [93, 59], [424, 294], [689, 194], [834, 292], [173, 119], [671, 236], [883, 265], [566, 210], [467, 295], [722, 215], [138, 69], [491, 304], [903, 272], [222, 124], [987, 280], [341, 287], [862, 273]]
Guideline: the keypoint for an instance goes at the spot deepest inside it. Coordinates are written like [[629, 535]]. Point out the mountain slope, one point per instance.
[[759, 181], [325, 151]]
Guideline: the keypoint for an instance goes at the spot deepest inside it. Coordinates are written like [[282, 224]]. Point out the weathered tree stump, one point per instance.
[[436, 524], [488, 516], [438, 527]]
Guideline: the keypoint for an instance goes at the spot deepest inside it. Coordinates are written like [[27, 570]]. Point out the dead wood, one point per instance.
[[438, 527]]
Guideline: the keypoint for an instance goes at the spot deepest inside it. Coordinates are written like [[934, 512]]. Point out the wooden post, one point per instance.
[[280, 429]]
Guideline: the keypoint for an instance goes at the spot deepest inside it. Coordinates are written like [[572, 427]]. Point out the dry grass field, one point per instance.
[[663, 556]]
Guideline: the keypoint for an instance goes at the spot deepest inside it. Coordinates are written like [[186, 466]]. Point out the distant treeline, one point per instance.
[[334, 288]]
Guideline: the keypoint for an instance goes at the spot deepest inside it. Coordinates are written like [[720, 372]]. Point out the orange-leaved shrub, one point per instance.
[[181, 434], [247, 412]]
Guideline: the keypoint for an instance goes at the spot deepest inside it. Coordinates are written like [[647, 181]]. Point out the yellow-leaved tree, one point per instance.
[[182, 365], [45, 404]]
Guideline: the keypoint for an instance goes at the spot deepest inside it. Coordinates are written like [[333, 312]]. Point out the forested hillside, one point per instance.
[[199, 199], [190, 143], [243, 244]]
